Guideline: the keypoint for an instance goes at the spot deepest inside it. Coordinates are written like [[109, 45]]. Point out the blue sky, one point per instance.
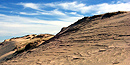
[[22, 17]]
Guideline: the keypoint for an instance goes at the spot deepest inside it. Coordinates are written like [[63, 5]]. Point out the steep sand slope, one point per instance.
[[98, 40]]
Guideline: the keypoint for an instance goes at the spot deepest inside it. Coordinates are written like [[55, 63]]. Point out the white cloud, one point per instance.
[[71, 19], [53, 12], [74, 6], [122, 5], [18, 26], [103, 8], [57, 12], [18, 29], [25, 20], [30, 5], [74, 13], [24, 13], [98, 8]]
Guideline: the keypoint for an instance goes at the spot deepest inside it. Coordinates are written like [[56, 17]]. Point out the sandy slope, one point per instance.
[[7, 47], [90, 41], [6, 55], [12, 46]]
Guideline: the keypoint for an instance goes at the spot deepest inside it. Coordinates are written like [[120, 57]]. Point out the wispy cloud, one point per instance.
[[2, 6], [81, 7], [25, 13], [54, 12], [26, 20], [16, 25], [30, 5], [20, 27], [105, 7], [74, 6], [98, 8]]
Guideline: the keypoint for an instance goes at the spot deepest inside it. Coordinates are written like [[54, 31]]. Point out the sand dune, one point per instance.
[[98, 40]]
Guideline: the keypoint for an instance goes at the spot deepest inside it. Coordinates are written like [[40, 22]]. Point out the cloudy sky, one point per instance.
[[22, 17]]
